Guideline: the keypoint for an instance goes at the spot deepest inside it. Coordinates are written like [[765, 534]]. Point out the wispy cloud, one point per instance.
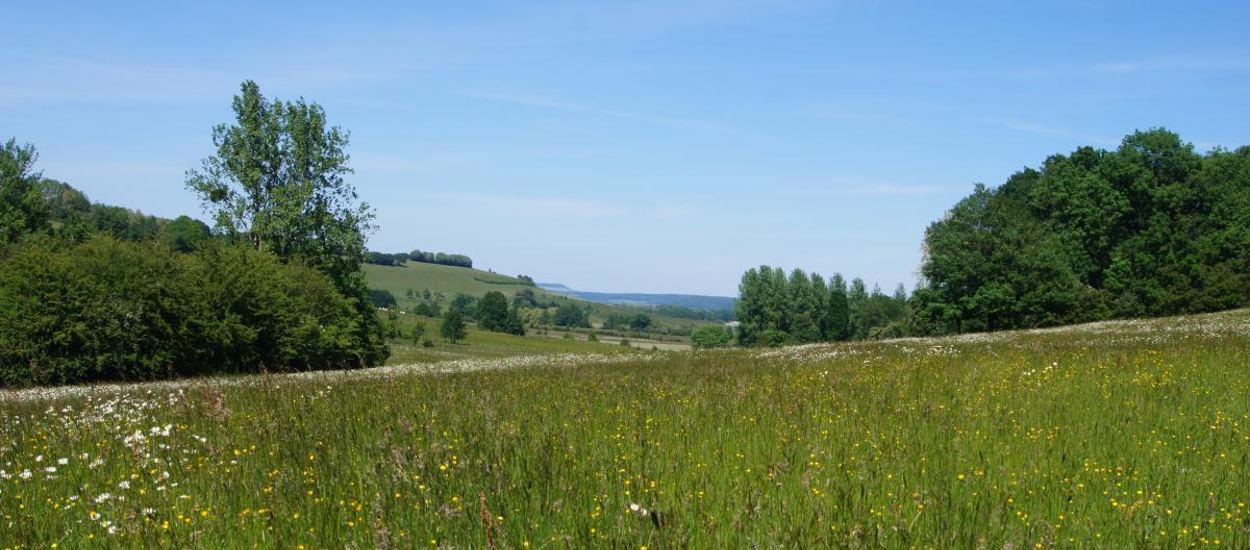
[[546, 102], [539, 206]]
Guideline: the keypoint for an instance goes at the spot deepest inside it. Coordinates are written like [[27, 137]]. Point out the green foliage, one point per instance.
[[22, 209], [418, 332], [570, 315], [1152, 228], [427, 309], [775, 309], [440, 258], [640, 322], [186, 234], [465, 305], [276, 181], [492, 312], [453, 329], [114, 310], [709, 337], [381, 298]]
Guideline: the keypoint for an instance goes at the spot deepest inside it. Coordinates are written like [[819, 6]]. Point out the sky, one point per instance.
[[642, 146]]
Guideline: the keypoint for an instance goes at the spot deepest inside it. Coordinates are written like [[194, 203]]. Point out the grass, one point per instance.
[[1123, 434], [480, 344]]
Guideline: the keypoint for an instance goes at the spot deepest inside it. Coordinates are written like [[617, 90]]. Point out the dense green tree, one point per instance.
[[570, 315], [709, 337], [492, 312], [837, 310], [22, 209], [640, 322], [186, 234], [109, 309], [774, 309], [277, 181], [381, 298], [453, 329], [465, 305], [1151, 228]]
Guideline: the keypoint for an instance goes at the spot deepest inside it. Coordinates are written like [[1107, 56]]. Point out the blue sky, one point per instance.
[[652, 146]]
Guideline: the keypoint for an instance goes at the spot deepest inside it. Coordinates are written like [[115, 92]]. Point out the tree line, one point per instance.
[[91, 292], [400, 258], [1150, 228], [776, 309]]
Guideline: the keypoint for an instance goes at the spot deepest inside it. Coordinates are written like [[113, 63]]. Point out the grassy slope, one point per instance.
[[1115, 435], [453, 280], [481, 344]]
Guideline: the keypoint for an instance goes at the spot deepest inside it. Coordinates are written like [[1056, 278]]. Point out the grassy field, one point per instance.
[[482, 344], [1123, 434], [458, 280]]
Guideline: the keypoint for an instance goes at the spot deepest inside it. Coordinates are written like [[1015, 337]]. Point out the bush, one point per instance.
[[108, 310], [381, 298], [710, 336]]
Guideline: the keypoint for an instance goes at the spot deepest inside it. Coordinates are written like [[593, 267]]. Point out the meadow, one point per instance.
[[1115, 434]]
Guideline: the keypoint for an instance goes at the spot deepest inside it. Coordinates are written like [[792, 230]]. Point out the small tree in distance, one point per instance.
[[454, 329]]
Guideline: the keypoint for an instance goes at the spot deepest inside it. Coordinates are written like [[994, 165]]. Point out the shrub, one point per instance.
[[710, 336], [108, 310]]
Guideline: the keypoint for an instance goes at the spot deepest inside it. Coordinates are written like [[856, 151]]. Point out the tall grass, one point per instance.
[[1114, 435]]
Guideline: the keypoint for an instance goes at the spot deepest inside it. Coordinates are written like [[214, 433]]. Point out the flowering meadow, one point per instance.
[[1117, 434]]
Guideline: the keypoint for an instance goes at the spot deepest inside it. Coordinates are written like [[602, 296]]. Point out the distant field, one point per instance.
[[1111, 435], [453, 280]]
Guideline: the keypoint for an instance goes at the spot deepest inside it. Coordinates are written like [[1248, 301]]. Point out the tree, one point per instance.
[[418, 332], [838, 311], [640, 322], [186, 234], [453, 329], [381, 298], [492, 312], [569, 315], [277, 182], [465, 305], [514, 324], [22, 210]]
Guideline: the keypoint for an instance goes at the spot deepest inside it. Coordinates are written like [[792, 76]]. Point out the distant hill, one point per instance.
[[448, 280], [693, 301]]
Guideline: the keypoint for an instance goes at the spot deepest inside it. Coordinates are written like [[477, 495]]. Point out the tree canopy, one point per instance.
[[1151, 228]]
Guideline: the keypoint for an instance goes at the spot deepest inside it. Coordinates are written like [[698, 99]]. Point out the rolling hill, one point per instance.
[[693, 301], [419, 277]]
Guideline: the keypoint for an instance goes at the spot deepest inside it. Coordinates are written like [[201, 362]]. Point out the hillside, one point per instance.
[[450, 281], [692, 301]]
